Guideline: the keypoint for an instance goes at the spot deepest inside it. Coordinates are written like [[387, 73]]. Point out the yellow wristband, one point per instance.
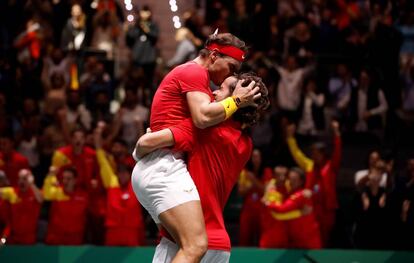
[[230, 106]]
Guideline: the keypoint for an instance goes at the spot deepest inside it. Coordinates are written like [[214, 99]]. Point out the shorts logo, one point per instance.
[[188, 191]]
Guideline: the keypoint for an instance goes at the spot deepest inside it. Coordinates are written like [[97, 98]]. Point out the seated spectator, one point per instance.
[[367, 105], [11, 162], [371, 222], [303, 232], [322, 172], [67, 216], [300, 44], [25, 201], [56, 63], [250, 187], [311, 118], [361, 176], [124, 222]]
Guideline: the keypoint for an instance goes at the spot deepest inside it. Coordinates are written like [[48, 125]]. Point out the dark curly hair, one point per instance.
[[223, 39], [249, 116]]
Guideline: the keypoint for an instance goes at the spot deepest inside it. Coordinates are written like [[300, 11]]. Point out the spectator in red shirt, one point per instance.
[[273, 225], [303, 232], [67, 216], [25, 201], [124, 222], [251, 186], [83, 159], [11, 162], [321, 174]]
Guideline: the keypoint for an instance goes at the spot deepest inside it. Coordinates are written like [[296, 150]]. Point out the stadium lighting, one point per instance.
[[130, 18]]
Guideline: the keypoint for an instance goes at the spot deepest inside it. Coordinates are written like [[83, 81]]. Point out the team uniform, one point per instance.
[[302, 232], [124, 223], [216, 157], [12, 164], [160, 178], [24, 212], [323, 180], [87, 168], [252, 206], [274, 225], [67, 217]]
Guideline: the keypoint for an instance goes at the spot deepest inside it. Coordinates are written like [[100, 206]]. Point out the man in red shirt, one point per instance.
[[216, 157], [11, 162], [302, 232], [67, 216], [83, 159], [25, 202], [321, 171], [124, 222], [182, 94]]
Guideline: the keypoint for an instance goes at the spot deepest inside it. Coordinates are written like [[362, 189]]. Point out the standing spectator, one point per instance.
[[74, 33], [321, 172], [67, 216], [134, 118], [105, 33], [348, 11], [83, 159], [361, 176], [142, 39], [186, 49], [124, 222], [368, 104], [407, 207], [290, 87], [273, 225], [25, 201], [11, 162], [303, 232], [251, 186], [340, 88], [311, 110], [28, 43], [57, 62], [77, 114], [300, 44], [371, 212]]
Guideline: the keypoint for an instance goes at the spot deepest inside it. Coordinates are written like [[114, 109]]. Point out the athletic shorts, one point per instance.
[[161, 181], [166, 250]]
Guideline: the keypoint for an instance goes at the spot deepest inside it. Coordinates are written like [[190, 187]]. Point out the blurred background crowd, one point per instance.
[[340, 74]]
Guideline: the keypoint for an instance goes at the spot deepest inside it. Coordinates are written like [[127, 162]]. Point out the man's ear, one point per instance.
[[214, 55]]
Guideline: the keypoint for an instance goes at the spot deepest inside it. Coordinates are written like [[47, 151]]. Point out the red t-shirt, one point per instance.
[[218, 155], [169, 106], [23, 218], [67, 220]]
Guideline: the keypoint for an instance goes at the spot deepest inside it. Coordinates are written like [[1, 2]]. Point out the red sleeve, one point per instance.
[[183, 134], [194, 78], [336, 155], [295, 201]]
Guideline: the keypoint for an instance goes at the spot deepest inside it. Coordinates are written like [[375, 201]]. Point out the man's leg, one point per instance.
[[185, 223]]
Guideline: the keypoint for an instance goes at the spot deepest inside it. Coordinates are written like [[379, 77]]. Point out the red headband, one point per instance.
[[228, 50]]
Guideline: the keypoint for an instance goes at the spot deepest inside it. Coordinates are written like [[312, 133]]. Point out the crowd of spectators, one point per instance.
[[72, 106]]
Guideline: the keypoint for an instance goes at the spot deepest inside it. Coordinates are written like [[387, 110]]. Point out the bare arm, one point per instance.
[[206, 113], [149, 142]]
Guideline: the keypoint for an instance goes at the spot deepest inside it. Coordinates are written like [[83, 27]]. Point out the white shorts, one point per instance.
[[166, 250], [161, 181]]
